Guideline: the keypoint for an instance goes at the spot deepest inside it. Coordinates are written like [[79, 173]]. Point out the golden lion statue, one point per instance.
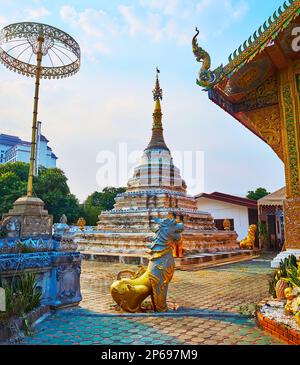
[[248, 242], [154, 280]]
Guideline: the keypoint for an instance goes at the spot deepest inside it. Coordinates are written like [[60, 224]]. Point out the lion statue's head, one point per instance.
[[168, 231]]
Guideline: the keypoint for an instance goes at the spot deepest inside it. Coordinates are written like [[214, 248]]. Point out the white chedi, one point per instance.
[[156, 169]]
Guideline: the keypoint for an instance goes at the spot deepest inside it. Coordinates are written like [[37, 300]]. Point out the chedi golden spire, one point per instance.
[[157, 140]]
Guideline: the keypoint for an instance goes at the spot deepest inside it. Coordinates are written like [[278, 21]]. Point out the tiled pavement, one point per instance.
[[210, 300]]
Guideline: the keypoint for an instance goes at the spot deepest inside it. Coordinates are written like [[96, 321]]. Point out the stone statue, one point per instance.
[[63, 219], [248, 242], [12, 226], [153, 280], [61, 228]]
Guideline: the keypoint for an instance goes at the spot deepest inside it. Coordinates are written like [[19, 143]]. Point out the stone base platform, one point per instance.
[[135, 243], [205, 260], [188, 262]]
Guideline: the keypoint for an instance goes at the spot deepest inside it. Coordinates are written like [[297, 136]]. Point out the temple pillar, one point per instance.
[[289, 101]]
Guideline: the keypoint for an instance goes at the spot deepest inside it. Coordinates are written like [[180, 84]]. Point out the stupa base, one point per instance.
[[197, 261]]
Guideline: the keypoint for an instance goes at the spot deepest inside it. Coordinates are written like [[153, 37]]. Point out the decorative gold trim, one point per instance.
[[269, 34]]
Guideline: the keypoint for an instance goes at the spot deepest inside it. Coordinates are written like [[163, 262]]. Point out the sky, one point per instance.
[[109, 102]]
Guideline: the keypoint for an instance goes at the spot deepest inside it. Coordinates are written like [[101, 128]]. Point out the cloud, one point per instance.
[[3, 21], [155, 26], [36, 13], [150, 25], [168, 7], [95, 26], [204, 4], [240, 11]]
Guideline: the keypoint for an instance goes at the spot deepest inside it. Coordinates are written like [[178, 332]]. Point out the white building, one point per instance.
[[13, 149], [241, 212]]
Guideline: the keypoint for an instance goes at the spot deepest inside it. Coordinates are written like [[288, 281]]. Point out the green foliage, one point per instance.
[[23, 248], [51, 186], [26, 285], [13, 184], [248, 310], [287, 264], [263, 232], [257, 194], [3, 233], [293, 277], [91, 213], [99, 201], [22, 295], [262, 229], [272, 285], [287, 271]]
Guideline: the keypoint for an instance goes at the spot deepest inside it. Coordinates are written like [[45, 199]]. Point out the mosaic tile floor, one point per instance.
[[210, 300]]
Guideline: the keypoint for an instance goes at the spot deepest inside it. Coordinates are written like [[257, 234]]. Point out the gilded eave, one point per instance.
[[266, 33]]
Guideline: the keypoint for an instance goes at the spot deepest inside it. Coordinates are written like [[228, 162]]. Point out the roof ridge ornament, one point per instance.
[[263, 28], [207, 77]]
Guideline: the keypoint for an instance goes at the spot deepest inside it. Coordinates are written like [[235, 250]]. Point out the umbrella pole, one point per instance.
[[35, 114]]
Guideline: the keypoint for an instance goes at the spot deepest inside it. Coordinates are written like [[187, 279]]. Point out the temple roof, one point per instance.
[[264, 36], [231, 199], [268, 36], [157, 141], [273, 199], [247, 87]]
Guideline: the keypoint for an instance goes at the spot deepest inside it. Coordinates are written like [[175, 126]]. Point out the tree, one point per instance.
[[98, 202], [13, 184], [257, 194], [50, 186]]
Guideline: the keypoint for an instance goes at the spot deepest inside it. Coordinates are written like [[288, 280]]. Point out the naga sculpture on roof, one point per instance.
[[207, 77]]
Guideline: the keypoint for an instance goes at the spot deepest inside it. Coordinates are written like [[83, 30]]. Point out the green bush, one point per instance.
[[22, 295], [23, 248], [248, 310], [3, 233], [287, 271]]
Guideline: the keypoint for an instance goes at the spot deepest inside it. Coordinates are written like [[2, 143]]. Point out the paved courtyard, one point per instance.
[[209, 303]]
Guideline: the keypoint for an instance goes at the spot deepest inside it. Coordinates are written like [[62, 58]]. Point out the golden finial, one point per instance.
[[157, 139]]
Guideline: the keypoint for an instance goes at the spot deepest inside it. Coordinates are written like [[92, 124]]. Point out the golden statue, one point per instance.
[[290, 297], [81, 223], [226, 224], [154, 280], [248, 242]]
